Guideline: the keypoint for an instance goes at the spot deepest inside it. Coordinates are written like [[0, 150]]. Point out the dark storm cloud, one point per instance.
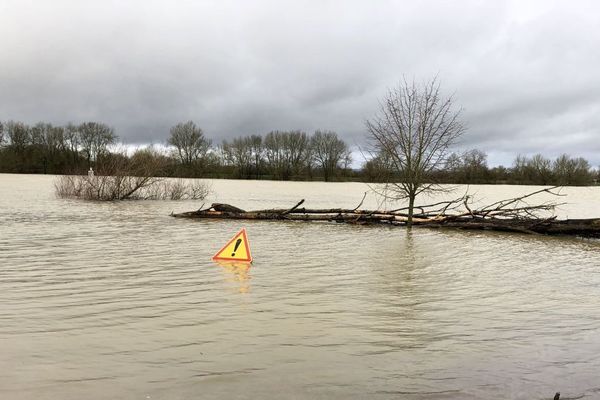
[[525, 74]]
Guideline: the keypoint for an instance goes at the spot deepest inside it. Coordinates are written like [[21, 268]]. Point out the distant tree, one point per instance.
[[499, 174], [569, 171], [563, 171], [239, 153], [378, 168], [298, 151], [55, 140], [71, 138], [287, 153], [1, 133], [453, 164], [39, 132], [474, 166], [211, 163], [328, 152], [256, 144], [48, 147], [190, 144], [38, 144], [19, 135], [540, 170], [275, 154], [520, 169], [148, 161], [583, 172], [347, 162], [95, 139], [415, 127], [450, 171]]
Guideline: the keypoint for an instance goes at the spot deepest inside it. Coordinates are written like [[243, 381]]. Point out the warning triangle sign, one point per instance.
[[237, 249]]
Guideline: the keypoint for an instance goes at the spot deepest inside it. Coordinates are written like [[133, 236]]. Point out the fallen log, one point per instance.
[[512, 215], [583, 227]]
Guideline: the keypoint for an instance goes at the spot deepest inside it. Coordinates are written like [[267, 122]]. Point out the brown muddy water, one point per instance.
[[121, 301]]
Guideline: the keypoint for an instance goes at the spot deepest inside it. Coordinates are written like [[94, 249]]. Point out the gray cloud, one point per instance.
[[525, 74]]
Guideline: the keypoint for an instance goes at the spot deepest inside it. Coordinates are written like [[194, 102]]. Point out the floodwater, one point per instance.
[[121, 301]]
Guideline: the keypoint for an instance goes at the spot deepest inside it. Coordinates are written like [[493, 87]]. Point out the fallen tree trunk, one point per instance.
[[573, 227], [511, 215]]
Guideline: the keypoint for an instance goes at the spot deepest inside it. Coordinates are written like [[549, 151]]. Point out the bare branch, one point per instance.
[[412, 132]]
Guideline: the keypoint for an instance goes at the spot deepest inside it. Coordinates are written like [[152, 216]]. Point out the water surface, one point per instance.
[[121, 301]]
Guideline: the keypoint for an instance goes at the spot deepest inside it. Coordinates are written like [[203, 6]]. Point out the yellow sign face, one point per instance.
[[237, 249]]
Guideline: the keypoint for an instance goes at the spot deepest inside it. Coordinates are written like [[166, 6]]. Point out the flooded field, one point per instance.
[[121, 301]]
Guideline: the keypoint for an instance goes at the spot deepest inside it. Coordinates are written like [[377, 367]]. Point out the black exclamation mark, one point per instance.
[[237, 244]]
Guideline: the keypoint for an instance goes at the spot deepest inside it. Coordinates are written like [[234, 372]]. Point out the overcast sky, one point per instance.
[[526, 73]]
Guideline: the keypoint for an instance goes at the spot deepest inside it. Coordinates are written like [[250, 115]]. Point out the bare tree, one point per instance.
[[71, 139], [239, 154], [256, 144], [541, 169], [328, 151], [378, 168], [19, 135], [453, 164], [474, 166], [519, 168], [287, 153], [572, 171], [275, 153], [189, 141], [39, 132], [415, 127], [1, 133], [298, 151], [95, 138]]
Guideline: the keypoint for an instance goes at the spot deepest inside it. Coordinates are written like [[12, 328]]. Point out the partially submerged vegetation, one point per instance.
[[124, 178], [510, 215], [413, 131], [120, 187]]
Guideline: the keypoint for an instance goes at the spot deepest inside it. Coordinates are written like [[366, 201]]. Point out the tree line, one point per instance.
[[281, 155], [471, 167], [74, 148], [48, 149]]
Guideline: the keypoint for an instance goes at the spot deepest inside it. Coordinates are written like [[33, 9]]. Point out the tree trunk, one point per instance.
[[411, 206]]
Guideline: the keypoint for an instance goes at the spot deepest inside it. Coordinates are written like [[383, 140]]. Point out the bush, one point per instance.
[[115, 187], [135, 178]]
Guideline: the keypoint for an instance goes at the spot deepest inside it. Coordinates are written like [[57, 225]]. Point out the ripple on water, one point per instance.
[[120, 301]]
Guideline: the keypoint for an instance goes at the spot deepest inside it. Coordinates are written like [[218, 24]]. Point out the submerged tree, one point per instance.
[[414, 128], [119, 177]]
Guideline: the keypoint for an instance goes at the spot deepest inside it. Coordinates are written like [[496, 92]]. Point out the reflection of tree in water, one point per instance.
[[238, 273], [407, 291]]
